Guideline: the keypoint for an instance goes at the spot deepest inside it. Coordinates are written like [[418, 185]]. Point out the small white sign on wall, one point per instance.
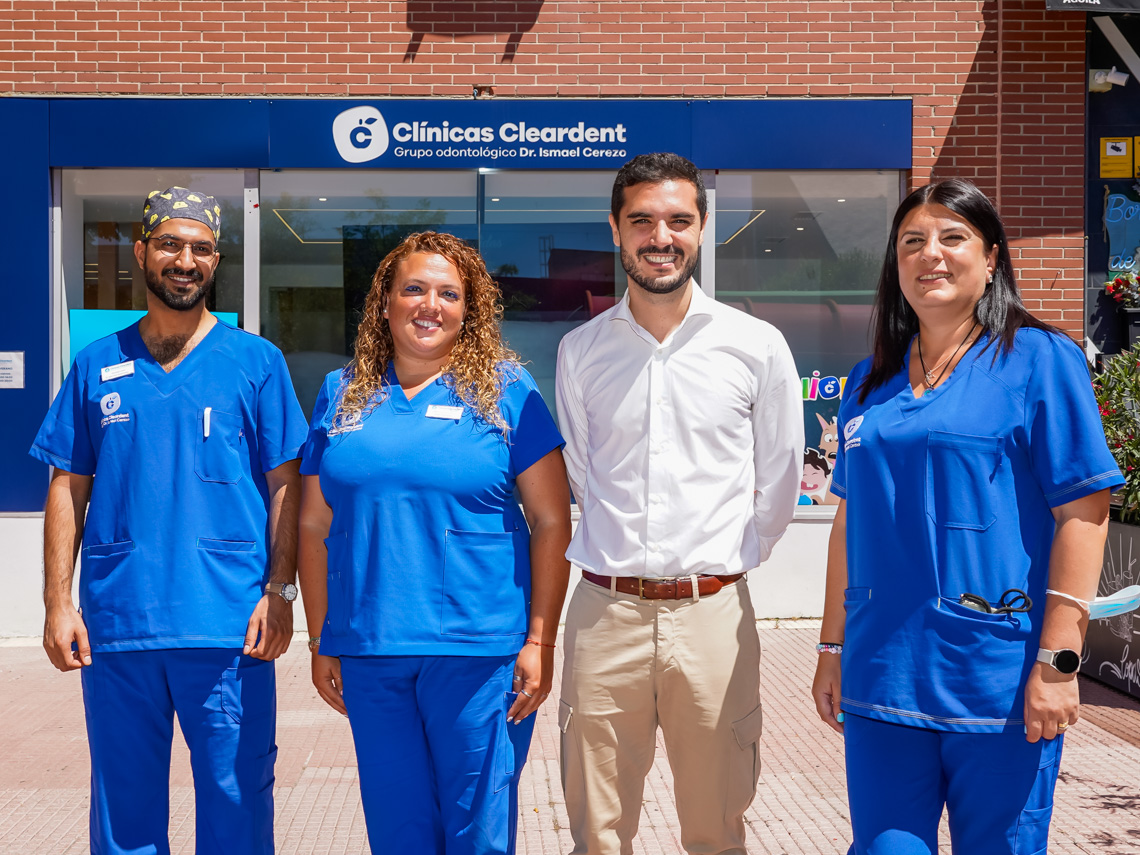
[[11, 369]]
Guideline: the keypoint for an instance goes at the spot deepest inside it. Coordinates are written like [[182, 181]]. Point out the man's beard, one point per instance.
[[662, 284], [171, 300]]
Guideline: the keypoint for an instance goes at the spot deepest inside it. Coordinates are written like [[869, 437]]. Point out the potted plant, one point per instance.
[[1125, 290], [1109, 655]]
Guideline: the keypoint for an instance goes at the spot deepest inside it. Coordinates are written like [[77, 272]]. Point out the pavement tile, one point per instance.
[[800, 807]]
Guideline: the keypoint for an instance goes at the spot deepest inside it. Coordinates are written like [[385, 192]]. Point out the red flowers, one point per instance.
[[1124, 289]]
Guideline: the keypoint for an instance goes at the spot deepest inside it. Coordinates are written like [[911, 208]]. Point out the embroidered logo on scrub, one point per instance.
[[849, 429], [109, 404], [346, 424]]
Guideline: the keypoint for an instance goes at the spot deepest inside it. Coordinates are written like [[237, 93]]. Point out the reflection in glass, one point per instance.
[[101, 211], [546, 239], [802, 250], [323, 234]]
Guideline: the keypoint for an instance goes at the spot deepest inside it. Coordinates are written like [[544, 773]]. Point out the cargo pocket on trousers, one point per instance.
[[745, 771], [248, 691], [565, 714], [513, 745], [1033, 824]]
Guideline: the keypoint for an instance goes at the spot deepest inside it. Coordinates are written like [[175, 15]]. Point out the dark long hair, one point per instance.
[[999, 312]]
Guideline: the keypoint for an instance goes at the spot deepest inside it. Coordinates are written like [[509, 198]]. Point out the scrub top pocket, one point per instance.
[[1013, 626], [107, 581], [478, 598], [236, 566], [217, 457], [103, 550], [961, 471]]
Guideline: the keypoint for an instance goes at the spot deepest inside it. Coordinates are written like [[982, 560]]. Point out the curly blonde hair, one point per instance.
[[474, 369]]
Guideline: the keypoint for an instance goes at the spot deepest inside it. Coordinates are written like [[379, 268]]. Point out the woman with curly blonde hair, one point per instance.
[[432, 601], [474, 365]]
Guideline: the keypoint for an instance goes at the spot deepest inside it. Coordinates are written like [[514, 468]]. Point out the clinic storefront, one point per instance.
[[316, 191]]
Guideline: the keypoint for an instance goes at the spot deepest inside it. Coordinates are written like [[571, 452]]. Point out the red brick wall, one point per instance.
[[960, 62]]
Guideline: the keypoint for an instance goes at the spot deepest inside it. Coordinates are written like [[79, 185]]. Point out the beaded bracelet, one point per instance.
[[828, 648], [539, 643]]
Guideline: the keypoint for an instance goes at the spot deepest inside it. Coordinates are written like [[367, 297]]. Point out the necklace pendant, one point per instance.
[[929, 375]]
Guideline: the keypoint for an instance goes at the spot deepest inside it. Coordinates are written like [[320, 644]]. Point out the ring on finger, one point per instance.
[[517, 678], [525, 692], [1061, 725]]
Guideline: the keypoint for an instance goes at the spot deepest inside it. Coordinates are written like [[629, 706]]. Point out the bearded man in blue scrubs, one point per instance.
[[175, 446]]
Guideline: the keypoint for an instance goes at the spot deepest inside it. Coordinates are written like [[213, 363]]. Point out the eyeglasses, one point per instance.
[[1012, 601], [201, 250]]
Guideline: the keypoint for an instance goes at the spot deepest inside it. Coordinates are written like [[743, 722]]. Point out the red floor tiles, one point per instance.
[[800, 807]]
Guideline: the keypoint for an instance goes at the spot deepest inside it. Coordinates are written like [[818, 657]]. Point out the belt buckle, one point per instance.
[[655, 580]]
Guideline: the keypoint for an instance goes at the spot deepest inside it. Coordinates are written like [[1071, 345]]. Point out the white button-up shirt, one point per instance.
[[685, 455]]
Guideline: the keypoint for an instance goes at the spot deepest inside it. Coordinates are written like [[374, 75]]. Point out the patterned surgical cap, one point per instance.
[[178, 203]]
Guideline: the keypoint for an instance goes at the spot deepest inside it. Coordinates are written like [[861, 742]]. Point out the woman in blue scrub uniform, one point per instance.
[[974, 478], [432, 601]]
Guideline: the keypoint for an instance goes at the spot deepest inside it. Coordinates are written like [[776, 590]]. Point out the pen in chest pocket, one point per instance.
[[206, 423]]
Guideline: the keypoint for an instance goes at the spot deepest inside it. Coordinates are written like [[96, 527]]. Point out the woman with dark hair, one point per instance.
[[974, 478], [432, 602]]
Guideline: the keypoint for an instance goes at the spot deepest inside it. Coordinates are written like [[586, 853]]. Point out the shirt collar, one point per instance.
[[700, 303]]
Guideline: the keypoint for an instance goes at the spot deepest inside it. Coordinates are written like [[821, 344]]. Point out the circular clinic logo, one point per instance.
[[110, 403], [360, 134], [852, 426]]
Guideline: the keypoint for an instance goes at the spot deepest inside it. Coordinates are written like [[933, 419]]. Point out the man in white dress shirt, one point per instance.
[[684, 441]]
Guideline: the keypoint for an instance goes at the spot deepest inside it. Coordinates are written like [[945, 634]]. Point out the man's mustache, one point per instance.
[[174, 271]]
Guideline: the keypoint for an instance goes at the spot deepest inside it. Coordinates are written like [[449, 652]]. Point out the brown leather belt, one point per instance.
[[680, 588]]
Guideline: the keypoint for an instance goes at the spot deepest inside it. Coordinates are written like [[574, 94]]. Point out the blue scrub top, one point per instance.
[[952, 493], [175, 548], [428, 552]]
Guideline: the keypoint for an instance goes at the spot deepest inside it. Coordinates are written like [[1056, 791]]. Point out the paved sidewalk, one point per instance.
[[800, 807]]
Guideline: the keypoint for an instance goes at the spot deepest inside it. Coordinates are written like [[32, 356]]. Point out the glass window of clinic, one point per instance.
[[798, 249]]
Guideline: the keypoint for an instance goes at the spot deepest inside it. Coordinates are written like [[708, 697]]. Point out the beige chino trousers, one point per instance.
[[692, 668]]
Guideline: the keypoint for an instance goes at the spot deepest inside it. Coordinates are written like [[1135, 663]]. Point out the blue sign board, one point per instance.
[[264, 133], [805, 133], [113, 132], [463, 134], [25, 324], [802, 133]]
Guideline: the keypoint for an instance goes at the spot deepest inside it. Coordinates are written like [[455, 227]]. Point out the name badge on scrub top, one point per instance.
[[114, 372], [439, 411]]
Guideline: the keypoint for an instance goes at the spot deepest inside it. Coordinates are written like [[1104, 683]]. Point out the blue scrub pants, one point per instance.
[[227, 708], [439, 765], [997, 788]]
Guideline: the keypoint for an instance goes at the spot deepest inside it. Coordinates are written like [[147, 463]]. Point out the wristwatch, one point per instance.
[[1065, 661], [287, 590]]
